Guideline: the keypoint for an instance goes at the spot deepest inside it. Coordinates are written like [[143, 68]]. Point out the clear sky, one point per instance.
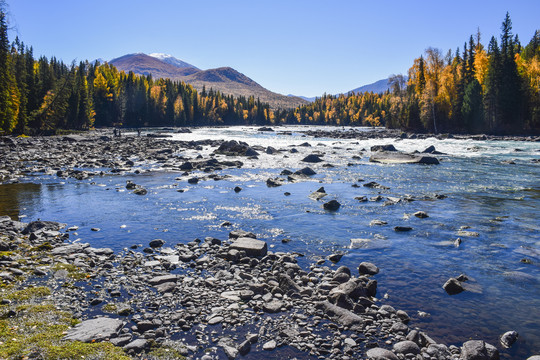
[[299, 47]]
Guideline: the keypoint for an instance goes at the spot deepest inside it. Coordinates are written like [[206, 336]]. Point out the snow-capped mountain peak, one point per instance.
[[169, 59]]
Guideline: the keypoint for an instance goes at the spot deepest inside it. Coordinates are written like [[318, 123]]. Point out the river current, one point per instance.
[[492, 205]]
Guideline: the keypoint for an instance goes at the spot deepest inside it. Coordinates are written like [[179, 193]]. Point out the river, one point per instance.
[[491, 205]]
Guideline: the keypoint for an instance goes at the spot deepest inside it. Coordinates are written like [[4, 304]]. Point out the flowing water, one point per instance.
[[496, 205]]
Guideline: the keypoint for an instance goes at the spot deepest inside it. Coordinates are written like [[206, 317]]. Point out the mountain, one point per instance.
[[143, 64], [224, 79], [169, 59], [379, 86], [376, 87]]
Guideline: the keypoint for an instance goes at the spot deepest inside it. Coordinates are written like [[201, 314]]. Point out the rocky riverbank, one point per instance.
[[398, 134], [209, 298]]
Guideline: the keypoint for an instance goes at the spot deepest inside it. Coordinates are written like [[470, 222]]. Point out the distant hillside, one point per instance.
[[224, 79], [376, 87]]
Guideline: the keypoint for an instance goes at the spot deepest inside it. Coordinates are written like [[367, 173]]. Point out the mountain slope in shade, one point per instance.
[[224, 79], [169, 59]]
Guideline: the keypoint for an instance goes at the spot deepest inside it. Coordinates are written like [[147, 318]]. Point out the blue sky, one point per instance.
[[299, 47]]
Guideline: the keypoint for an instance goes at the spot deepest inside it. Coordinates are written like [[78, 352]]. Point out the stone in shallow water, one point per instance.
[[509, 338], [97, 329], [453, 286], [332, 205], [367, 268]]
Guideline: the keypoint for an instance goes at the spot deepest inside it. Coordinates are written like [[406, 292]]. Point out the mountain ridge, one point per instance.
[[224, 79]]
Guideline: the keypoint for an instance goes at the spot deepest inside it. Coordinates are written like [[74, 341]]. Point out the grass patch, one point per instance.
[[35, 330], [73, 271], [163, 352], [28, 293], [46, 246], [109, 308]]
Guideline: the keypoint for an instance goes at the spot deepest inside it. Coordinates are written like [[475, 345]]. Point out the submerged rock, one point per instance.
[[453, 286], [332, 205]]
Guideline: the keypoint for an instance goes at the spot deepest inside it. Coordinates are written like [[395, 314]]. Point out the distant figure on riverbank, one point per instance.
[[115, 132], [139, 132]]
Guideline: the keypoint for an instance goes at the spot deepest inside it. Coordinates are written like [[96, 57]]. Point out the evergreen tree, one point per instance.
[[9, 97], [510, 95], [21, 78], [492, 87], [472, 109]]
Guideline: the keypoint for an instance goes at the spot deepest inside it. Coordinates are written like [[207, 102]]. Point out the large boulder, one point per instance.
[[38, 226], [478, 350], [312, 158], [367, 268], [235, 148], [252, 247]]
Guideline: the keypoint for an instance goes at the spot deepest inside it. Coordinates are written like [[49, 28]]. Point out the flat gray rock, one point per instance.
[[381, 354], [273, 306], [98, 329], [270, 345], [252, 247], [386, 157], [136, 345], [162, 279]]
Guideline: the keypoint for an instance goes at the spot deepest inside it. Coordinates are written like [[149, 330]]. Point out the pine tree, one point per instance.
[[472, 109], [510, 96], [492, 87], [21, 78], [9, 94]]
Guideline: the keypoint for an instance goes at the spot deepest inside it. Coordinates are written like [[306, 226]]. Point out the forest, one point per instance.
[[493, 89]]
